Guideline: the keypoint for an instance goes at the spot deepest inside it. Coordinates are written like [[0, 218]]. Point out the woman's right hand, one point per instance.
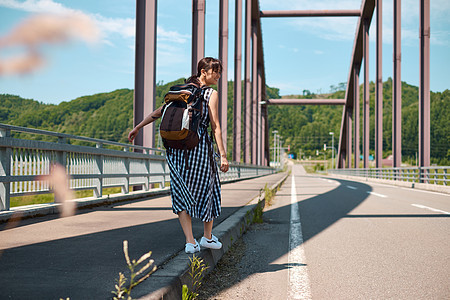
[[133, 133]]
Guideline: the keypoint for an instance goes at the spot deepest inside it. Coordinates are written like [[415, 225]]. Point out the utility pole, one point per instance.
[[332, 153], [279, 151], [274, 145]]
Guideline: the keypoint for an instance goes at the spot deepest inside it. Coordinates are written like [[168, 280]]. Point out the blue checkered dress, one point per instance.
[[196, 190]]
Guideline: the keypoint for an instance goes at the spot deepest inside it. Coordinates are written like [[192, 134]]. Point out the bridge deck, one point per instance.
[[81, 256]]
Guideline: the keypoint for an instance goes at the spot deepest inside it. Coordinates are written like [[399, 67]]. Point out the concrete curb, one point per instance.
[[414, 185], [39, 210], [167, 281]]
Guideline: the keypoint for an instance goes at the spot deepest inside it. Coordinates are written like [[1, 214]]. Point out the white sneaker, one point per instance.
[[212, 243], [192, 248]]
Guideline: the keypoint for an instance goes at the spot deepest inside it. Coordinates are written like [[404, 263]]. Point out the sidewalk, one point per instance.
[[81, 256]]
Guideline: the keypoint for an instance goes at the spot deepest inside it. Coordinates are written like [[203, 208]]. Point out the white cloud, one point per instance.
[[123, 27], [171, 36], [36, 6], [338, 28]]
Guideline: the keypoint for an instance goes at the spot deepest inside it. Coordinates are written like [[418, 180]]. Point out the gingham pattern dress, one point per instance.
[[196, 190]]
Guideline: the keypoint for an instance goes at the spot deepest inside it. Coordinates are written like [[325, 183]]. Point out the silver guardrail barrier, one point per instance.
[[94, 164], [429, 175]]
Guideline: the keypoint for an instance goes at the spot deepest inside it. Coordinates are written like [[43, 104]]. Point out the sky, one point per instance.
[[299, 53]]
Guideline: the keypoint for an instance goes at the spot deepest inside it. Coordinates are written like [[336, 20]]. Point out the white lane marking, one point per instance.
[[422, 191], [351, 187], [376, 194], [404, 188], [298, 273], [430, 208]]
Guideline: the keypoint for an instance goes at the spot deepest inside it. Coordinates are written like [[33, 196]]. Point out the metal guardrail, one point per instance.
[[97, 165], [428, 175]]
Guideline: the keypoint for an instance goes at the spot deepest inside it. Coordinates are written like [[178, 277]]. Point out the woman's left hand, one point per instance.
[[224, 164]]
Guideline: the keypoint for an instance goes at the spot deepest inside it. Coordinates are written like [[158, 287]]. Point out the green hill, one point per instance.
[[308, 127], [110, 116]]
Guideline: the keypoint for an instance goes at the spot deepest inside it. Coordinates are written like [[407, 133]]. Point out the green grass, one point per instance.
[[49, 198]]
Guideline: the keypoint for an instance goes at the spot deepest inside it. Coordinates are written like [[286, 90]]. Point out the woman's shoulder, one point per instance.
[[208, 88], [213, 94], [209, 92]]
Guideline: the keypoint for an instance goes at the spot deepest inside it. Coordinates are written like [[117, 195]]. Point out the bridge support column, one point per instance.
[[397, 90], [254, 95], [223, 81], [237, 111], [198, 32], [424, 90], [259, 118], [356, 110], [145, 69], [348, 134], [379, 89], [265, 136], [247, 95], [366, 103]]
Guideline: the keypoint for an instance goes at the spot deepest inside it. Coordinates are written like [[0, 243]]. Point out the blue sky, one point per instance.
[[308, 53]]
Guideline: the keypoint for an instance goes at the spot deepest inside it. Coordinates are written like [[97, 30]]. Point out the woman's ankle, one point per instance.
[[190, 241]]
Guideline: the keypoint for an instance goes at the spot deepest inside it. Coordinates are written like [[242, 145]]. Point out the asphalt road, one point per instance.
[[358, 240]]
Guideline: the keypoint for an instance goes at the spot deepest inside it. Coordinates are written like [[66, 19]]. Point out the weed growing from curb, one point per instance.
[[123, 292], [196, 271], [258, 213]]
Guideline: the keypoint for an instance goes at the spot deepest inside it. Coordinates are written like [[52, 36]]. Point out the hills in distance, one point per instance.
[[109, 116]]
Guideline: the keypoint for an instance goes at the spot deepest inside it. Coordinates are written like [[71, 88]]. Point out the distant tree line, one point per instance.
[[110, 116]]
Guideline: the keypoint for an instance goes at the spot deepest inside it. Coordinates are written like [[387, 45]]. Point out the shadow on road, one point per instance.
[[87, 266], [317, 213]]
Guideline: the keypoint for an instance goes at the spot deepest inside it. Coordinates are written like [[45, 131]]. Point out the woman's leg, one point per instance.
[[186, 224], [207, 229]]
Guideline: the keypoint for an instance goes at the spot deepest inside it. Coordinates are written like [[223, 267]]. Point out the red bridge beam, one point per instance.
[[310, 13], [367, 9], [305, 101]]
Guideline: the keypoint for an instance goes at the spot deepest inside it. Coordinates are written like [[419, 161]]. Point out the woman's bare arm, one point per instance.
[[149, 119], [215, 125]]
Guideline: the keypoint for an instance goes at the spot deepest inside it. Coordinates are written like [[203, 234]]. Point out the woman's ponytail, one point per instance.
[[193, 79]]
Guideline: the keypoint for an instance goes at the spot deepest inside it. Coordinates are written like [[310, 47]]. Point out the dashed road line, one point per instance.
[[298, 273], [376, 194], [351, 187], [432, 209]]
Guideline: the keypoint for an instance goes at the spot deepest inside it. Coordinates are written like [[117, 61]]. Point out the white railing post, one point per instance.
[[98, 182], [61, 156], [147, 168], [126, 183], [5, 170]]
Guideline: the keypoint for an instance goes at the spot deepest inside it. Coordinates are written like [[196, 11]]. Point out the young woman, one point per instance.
[[196, 192]]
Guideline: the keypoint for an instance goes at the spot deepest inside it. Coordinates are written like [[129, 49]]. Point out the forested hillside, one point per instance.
[[308, 127], [110, 116]]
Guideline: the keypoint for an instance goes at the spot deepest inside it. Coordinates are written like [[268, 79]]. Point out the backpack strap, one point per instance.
[[186, 165], [211, 153]]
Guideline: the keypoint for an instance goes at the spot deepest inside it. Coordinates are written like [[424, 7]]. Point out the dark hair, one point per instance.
[[206, 63]]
